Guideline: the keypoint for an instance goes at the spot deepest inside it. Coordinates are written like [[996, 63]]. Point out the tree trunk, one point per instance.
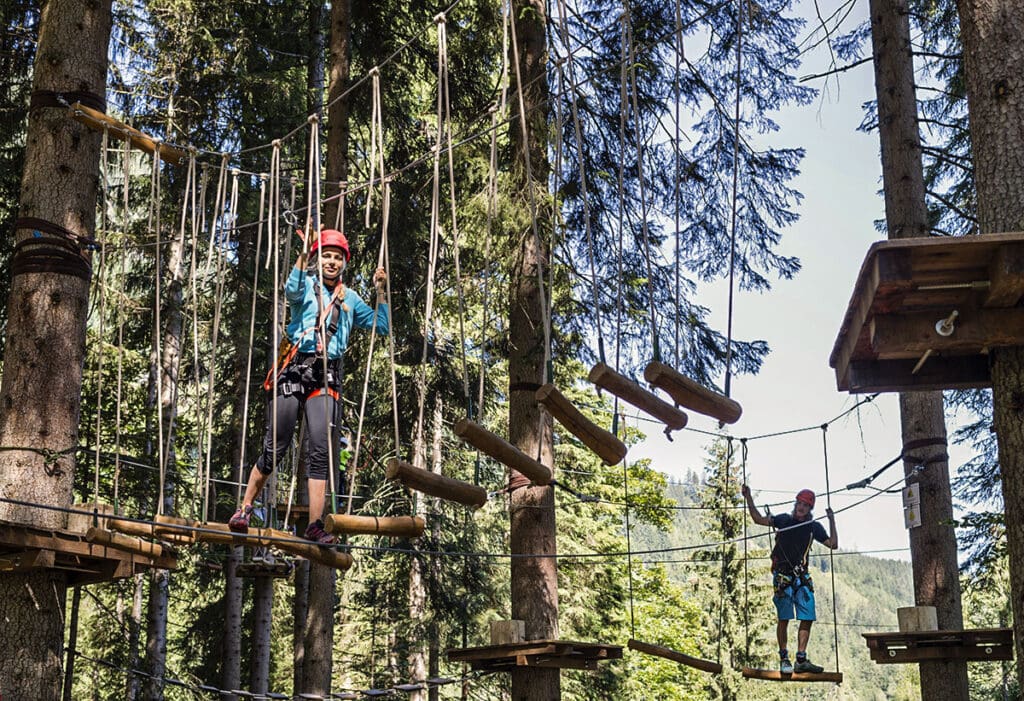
[[300, 611], [319, 633], [933, 544], [534, 579], [231, 650], [132, 683], [262, 611], [992, 34], [69, 672], [337, 113], [39, 408], [156, 627]]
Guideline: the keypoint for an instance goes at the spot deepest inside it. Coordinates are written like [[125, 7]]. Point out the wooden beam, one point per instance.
[[669, 654], [975, 330], [604, 443], [98, 121], [774, 675], [435, 484], [624, 388], [938, 372], [398, 526], [687, 393], [1006, 276], [35, 559], [119, 541], [503, 451]]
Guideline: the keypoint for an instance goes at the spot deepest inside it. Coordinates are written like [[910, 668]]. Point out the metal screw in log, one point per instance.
[[434, 484], [945, 328], [687, 393], [503, 451], [604, 443]]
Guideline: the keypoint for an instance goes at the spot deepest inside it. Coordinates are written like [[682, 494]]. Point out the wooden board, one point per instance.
[[675, 656], [980, 644], [774, 675], [904, 287], [560, 654]]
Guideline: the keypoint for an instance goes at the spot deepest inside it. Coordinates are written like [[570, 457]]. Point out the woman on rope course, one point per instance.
[[322, 314], [794, 590]]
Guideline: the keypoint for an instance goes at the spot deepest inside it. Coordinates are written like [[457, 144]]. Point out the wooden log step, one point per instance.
[[181, 528], [774, 675], [151, 530], [670, 654], [398, 526], [627, 390], [503, 451], [120, 541], [687, 393], [98, 121], [434, 484], [604, 443]]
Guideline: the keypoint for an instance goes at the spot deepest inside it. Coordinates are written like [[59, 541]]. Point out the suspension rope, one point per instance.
[[677, 189], [831, 552], [735, 195], [101, 284], [376, 142], [726, 469], [158, 368], [746, 572], [629, 548]]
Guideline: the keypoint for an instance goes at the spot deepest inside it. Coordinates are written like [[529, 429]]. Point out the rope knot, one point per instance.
[[439, 18]]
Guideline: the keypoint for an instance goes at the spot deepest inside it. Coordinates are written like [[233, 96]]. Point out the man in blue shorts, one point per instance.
[[794, 590]]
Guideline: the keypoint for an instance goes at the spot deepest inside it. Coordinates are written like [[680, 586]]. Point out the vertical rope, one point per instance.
[[339, 215], [274, 241], [126, 191], [101, 283], [746, 560], [831, 552], [629, 547], [158, 369], [735, 195], [676, 194], [725, 491]]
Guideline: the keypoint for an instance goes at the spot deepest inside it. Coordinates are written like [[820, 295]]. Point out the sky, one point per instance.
[[800, 318]]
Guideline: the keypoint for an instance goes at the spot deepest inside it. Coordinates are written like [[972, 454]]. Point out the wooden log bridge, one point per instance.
[[627, 390], [266, 537], [120, 541], [559, 654], [670, 654], [434, 484], [503, 451], [604, 443], [687, 393], [98, 121], [398, 526]]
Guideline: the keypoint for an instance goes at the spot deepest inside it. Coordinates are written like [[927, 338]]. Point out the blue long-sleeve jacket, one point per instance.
[[301, 292]]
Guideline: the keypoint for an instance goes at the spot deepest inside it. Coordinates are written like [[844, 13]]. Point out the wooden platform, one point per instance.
[[561, 654], [774, 675], [23, 548], [905, 287], [981, 644]]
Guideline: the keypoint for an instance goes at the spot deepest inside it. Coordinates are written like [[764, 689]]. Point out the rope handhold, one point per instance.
[[439, 18]]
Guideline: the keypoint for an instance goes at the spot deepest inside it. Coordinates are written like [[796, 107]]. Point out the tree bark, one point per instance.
[[231, 646], [532, 517], [992, 34], [39, 408], [337, 114], [319, 633], [262, 611], [133, 682], [933, 544]]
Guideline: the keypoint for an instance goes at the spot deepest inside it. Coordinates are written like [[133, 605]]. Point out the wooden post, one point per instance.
[[503, 451], [399, 526], [127, 543], [434, 484], [624, 388], [508, 632], [913, 619], [80, 522], [604, 443], [685, 392]]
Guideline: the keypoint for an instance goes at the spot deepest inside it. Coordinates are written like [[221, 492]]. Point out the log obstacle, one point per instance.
[[687, 393], [120, 541], [398, 526], [503, 451], [604, 443], [774, 675], [624, 388], [670, 654], [98, 121], [434, 484]]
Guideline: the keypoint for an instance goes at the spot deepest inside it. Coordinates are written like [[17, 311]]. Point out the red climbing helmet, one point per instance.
[[331, 237], [806, 496]]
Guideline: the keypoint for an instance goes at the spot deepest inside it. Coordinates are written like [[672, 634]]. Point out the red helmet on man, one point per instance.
[[331, 237], [806, 496]]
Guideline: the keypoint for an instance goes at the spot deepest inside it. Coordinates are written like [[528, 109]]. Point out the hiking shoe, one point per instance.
[[239, 522], [785, 666], [316, 533], [808, 667]]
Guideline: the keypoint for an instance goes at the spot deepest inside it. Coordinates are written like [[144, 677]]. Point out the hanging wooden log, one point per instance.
[[604, 443], [624, 388], [174, 526], [398, 526], [148, 530], [685, 392], [120, 541], [434, 484], [98, 121], [670, 654], [503, 451]]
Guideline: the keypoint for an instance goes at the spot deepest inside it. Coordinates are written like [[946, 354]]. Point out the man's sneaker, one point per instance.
[[785, 666], [239, 522], [807, 666], [316, 533]]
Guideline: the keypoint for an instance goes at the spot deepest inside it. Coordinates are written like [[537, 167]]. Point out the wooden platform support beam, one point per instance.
[[120, 541], [774, 675], [627, 390], [397, 526], [503, 451], [434, 484], [604, 443], [976, 645], [687, 393], [98, 121], [670, 654]]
